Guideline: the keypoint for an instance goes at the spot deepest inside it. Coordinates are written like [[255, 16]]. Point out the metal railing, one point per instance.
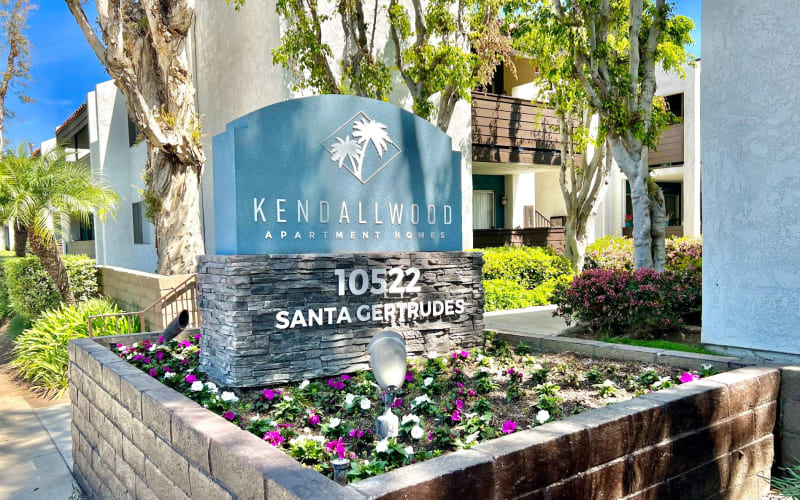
[[182, 296]]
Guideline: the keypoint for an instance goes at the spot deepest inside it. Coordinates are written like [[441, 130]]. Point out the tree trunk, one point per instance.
[[179, 234], [48, 254], [658, 230], [642, 238], [20, 240], [576, 240]]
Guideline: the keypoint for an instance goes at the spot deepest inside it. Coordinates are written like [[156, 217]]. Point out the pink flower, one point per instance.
[[508, 427], [313, 420], [456, 416], [454, 355], [345, 378], [274, 438], [689, 377], [185, 343], [336, 447], [160, 340], [159, 355], [197, 336], [153, 372], [409, 377], [464, 354], [430, 436], [459, 404], [269, 394], [230, 415], [191, 378], [471, 392]]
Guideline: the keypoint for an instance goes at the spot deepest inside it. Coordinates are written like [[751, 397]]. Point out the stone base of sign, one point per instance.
[[239, 297]]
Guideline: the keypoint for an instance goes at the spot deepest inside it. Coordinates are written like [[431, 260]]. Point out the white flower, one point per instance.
[[382, 446], [706, 366], [365, 404], [417, 432], [169, 374], [135, 345], [433, 355], [334, 423], [287, 398], [212, 388], [348, 400], [420, 399], [543, 416], [255, 417], [152, 348], [228, 396], [657, 383], [470, 415], [273, 423], [129, 356], [472, 437], [304, 384], [179, 357], [409, 418], [479, 359], [608, 383], [197, 386], [409, 450], [428, 381], [537, 366]]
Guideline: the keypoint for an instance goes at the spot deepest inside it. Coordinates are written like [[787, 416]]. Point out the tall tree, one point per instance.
[[614, 47], [13, 22], [585, 162], [142, 44], [453, 46], [42, 193]]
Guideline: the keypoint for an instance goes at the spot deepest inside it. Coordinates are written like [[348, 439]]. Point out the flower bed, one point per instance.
[[448, 403]]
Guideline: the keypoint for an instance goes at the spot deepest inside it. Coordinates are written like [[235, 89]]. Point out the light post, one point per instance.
[[387, 353]]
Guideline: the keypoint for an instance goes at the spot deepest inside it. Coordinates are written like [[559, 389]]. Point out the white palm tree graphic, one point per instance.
[[365, 132], [345, 149]]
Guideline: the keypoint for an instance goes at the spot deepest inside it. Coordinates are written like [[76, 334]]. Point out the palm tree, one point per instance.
[[41, 194]]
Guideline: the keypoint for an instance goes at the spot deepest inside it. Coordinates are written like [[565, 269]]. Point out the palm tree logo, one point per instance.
[[352, 152]]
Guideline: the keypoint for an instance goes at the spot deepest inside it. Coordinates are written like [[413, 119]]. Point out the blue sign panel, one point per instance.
[[335, 173]]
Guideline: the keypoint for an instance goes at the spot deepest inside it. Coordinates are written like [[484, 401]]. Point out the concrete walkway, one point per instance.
[[35, 444], [538, 320]]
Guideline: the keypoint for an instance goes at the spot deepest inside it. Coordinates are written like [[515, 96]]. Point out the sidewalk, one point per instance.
[[533, 320], [35, 447]]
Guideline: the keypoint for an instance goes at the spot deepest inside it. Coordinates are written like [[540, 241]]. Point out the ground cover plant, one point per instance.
[[518, 277], [448, 402]]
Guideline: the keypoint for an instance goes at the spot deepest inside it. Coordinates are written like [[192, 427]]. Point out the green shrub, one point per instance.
[[611, 252], [527, 266], [40, 352], [5, 303], [31, 291], [507, 294]]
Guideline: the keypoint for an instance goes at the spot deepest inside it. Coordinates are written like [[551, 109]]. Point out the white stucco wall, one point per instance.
[[549, 200], [751, 181], [121, 167]]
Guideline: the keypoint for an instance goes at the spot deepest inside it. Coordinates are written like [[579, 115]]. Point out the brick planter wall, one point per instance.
[[240, 295], [134, 437]]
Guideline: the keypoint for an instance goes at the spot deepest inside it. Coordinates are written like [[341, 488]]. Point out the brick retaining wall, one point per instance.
[[134, 437]]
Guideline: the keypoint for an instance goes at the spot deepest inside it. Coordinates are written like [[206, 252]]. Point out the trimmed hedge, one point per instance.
[[40, 352], [31, 291], [611, 252], [5, 302], [507, 294], [527, 266]]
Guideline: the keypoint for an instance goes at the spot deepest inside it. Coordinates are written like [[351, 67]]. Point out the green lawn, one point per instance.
[[660, 344]]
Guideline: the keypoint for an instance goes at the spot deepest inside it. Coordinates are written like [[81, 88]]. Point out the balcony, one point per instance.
[[510, 130], [670, 147]]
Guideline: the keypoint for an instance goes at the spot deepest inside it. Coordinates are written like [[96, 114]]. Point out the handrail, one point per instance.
[[171, 298], [542, 221]]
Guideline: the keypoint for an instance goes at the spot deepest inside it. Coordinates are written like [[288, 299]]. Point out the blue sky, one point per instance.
[[65, 68]]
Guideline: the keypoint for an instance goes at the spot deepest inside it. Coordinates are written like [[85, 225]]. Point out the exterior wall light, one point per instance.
[[387, 353], [503, 200]]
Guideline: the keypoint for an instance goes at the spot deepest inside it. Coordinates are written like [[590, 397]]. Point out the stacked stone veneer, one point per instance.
[[238, 297], [135, 438], [790, 416]]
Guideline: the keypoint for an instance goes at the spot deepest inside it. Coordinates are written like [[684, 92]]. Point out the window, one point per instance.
[[483, 210], [529, 217], [133, 133], [86, 231], [675, 104], [141, 229]]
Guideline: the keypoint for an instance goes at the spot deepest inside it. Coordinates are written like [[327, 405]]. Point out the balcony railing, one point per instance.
[[510, 130], [670, 147]]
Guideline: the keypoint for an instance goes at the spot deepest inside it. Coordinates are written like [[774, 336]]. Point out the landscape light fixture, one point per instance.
[[387, 355]]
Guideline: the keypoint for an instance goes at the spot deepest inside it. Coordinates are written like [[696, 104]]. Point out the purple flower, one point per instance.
[[160, 356], [689, 377], [313, 420], [166, 369], [185, 361], [352, 433], [184, 343], [191, 378], [147, 361], [459, 404], [153, 372], [360, 433], [160, 340], [197, 336], [269, 394], [274, 438], [430, 436], [409, 377], [398, 402], [230, 415], [336, 383], [336, 447], [464, 354], [345, 377], [471, 392], [137, 357], [456, 416], [508, 427]]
